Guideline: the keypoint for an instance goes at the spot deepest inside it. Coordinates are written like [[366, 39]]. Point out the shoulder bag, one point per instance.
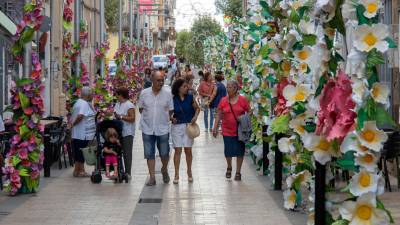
[[89, 153]]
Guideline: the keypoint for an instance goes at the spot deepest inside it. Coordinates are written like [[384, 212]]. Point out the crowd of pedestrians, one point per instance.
[[167, 113]]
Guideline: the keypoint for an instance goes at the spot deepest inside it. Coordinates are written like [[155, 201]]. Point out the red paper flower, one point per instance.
[[280, 107], [336, 117]]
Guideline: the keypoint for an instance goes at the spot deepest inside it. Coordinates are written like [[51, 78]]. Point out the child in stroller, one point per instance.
[[111, 150], [111, 127]]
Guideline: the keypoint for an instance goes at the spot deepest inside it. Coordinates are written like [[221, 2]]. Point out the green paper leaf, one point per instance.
[[360, 9], [67, 25], [17, 48], [24, 131], [337, 20], [23, 172], [294, 17], [373, 77], [27, 34], [15, 160], [28, 7], [265, 28], [361, 118], [380, 205], [298, 46], [383, 118], [347, 162], [391, 43], [341, 222], [23, 81], [33, 156], [280, 124], [310, 127], [299, 197], [264, 4], [24, 100], [264, 51], [299, 108], [321, 84], [309, 39], [375, 58]]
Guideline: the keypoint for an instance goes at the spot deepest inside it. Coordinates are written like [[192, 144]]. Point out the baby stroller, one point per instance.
[[100, 162]]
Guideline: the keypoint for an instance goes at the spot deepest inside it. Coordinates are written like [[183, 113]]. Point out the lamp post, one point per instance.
[[27, 56], [120, 25], [102, 35]]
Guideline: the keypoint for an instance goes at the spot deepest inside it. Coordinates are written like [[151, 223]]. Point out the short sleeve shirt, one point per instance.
[[155, 115], [122, 109], [184, 110], [111, 146], [86, 129], [229, 124]]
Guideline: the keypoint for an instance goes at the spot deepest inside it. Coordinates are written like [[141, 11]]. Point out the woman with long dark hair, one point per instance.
[[186, 112]]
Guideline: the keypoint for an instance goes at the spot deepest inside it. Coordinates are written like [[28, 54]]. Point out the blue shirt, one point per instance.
[[184, 110], [221, 92]]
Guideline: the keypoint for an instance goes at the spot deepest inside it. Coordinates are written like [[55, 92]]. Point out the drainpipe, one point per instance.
[[77, 30], [101, 35]]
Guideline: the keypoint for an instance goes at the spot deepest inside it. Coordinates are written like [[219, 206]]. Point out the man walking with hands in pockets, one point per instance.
[[156, 107]]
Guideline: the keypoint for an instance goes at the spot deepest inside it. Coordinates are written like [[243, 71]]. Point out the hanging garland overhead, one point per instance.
[[25, 159]]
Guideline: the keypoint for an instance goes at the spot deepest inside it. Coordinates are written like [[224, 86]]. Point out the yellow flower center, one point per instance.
[[258, 23], [375, 92], [364, 212], [323, 145], [286, 66], [368, 158], [258, 61], [301, 129], [246, 45], [300, 96], [303, 55], [365, 180], [372, 7], [370, 39], [368, 135], [303, 67]]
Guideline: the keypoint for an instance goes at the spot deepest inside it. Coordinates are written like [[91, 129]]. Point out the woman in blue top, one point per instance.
[[218, 92], [186, 110]]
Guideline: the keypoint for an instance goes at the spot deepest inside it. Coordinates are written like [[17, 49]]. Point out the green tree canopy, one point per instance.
[[231, 8], [202, 28], [111, 13], [183, 40]]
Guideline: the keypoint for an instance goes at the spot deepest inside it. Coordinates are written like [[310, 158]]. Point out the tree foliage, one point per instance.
[[231, 8], [111, 13], [202, 28], [183, 40]]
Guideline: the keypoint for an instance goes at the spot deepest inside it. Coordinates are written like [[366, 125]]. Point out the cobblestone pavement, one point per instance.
[[210, 199]]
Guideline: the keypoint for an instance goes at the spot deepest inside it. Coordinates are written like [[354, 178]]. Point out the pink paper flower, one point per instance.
[[336, 117]]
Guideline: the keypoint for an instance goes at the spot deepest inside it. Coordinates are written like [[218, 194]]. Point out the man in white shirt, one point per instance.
[[156, 107]]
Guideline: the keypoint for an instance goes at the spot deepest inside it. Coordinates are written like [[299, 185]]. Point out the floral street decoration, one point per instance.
[[25, 159]]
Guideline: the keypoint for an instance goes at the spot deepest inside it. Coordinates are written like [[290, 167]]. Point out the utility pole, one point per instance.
[[102, 35], [77, 30], [120, 25]]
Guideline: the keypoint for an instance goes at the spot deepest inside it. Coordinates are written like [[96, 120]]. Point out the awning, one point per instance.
[[7, 23]]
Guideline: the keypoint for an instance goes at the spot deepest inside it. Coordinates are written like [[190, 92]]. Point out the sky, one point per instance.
[[187, 10]]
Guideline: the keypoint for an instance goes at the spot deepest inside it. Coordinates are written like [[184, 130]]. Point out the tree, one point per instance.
[[183, 40], [231, 8], [111, 13], [202, 28]]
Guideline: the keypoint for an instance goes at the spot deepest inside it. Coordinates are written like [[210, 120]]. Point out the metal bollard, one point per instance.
[[320, 174], [265, 150], [278, 164]]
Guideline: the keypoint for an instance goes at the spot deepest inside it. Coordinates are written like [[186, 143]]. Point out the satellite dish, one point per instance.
[[46, 24]]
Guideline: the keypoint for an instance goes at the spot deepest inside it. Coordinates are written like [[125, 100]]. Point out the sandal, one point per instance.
[[151, 182], [228, 173], [238, 177], [84, 174], [176, 180]]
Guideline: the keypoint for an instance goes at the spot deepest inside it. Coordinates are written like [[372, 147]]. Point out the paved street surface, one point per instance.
[[211, 199]]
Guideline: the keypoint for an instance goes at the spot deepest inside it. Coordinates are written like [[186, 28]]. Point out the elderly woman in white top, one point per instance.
[[83, 129], [125, 110]]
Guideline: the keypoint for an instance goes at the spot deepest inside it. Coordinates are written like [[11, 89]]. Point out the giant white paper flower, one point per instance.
[[351, 143], [298, 123], [364, 211], [371, 7], [371, 137], [380, 93], [285, 145], [359, 90], [307, 27], [303, 177], [321, 148], [303, 55], [367, 161], [295, 94], [289, 197], [364, 182], [370, 37]]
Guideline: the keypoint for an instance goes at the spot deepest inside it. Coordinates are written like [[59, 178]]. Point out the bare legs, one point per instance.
[[151, 165], [79, 169], [177, 160], [239, 162]]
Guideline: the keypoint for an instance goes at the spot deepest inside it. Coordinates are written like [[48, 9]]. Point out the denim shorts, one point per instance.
[[150, 142]]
